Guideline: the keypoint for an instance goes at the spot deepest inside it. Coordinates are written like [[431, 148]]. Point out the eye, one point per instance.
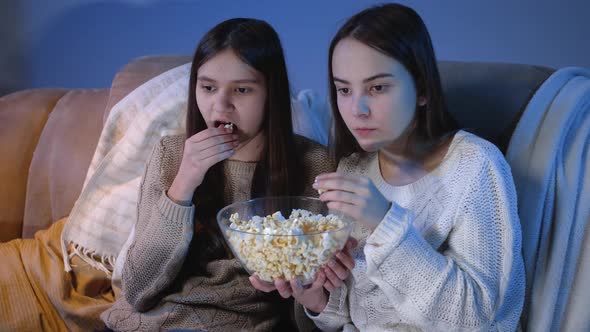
[[208, 88], [242, 90], [343, 91], [378, 88]]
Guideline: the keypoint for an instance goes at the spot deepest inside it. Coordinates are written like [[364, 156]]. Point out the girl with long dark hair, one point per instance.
[[239, 144], [439, 235]]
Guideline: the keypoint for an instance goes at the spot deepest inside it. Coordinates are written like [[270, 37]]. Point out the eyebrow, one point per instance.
[[245, 80], [372, 78]]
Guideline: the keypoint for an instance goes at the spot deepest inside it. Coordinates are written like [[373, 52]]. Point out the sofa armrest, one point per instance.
[[22, 117], [62, 157]]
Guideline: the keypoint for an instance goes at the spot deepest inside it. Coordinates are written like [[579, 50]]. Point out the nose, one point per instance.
[[223, 102], [360, 106]]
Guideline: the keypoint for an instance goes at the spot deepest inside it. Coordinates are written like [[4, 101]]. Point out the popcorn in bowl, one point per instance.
[[275, 247]]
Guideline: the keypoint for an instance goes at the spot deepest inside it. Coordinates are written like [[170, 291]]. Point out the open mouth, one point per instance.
[[226, 125]]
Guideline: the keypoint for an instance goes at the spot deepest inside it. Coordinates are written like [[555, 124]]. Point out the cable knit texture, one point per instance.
[[446, 256], [155, 298]]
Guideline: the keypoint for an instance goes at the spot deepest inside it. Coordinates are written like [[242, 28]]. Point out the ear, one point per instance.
[[422, 101]]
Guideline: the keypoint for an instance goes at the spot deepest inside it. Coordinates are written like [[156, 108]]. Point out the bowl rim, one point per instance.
[[346, 220]]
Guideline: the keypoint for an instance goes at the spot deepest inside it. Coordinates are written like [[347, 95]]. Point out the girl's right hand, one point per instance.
[[313, 296], [201, 151]]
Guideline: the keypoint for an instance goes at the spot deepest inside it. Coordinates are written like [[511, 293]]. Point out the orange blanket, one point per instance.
[[37, 295]]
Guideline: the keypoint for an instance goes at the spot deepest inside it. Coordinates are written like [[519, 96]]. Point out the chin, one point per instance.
[[369, 146]]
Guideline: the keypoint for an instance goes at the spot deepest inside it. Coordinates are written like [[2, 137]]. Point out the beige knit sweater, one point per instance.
[[445, 257], [155, 298]]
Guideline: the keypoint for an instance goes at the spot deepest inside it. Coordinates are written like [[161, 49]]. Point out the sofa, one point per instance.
[[48, 136]]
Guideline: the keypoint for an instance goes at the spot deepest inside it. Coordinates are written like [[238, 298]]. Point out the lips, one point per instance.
[[364, 131]]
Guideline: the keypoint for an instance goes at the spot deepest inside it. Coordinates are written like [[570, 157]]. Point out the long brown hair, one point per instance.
[[256, 43], [399, 32]]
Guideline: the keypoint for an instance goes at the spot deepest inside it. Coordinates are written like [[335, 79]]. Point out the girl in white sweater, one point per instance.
[[439, 235]]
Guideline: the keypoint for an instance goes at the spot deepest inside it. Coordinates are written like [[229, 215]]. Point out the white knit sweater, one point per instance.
[[446, 256]]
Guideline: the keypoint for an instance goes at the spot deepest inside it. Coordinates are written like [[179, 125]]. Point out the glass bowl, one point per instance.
[[283, 249]]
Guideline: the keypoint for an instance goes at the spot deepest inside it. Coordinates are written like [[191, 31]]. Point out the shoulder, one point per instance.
[[304, 144], [167, 154], [311, 151], [479, 164], [170, 146], [357, 162], [314, 158], [173, 142], [478, 152]]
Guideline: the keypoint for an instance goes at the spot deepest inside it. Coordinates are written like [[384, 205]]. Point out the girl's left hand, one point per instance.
[[353, 195]]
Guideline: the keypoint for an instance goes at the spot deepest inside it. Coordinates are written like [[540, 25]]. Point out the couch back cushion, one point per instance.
[[62, 157], [22, 117], [487, 98]]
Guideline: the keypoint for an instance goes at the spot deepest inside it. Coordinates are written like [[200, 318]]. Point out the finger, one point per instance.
[[350, 210], [261, 285], [217, 149], [341, 176], [217, 158], [326, 176], [319, 281], [345, 259], [351, 243], [338, 268], [214, 141], [332, 277], [341, 183], [328, 285], [341, 196], [283, 288], [296, 287], [209, 132]]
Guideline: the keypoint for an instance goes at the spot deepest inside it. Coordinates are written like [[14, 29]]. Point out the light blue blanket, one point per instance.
[[548, 153]]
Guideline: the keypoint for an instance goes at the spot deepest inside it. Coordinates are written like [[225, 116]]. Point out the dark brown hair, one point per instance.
[[398, 32], [257, 44]]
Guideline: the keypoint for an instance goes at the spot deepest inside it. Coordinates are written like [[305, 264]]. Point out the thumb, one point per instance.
[[352, 243]]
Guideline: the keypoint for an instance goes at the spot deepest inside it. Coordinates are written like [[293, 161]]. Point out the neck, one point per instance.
[[250, 150], [398, 167]]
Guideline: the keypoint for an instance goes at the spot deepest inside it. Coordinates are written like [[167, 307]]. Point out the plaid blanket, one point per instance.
[[104, 214]]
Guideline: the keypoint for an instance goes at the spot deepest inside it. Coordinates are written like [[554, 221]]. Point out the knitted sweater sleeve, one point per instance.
[[163, 234], [336, 314], [473, 283]]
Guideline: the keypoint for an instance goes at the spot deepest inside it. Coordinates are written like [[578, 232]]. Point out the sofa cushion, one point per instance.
[[487, 98], [62, 157], [22, 117]]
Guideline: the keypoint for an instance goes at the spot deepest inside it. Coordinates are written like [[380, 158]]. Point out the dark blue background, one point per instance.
[[82, 44]]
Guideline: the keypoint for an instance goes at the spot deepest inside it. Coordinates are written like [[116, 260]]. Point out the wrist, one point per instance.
[[317, 308], [179, 192], [376, 223]]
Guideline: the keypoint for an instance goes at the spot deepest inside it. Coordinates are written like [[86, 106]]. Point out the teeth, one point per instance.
[[229, 126]]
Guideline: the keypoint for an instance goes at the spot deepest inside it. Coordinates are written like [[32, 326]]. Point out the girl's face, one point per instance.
[[230, 91], [376, 95]]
